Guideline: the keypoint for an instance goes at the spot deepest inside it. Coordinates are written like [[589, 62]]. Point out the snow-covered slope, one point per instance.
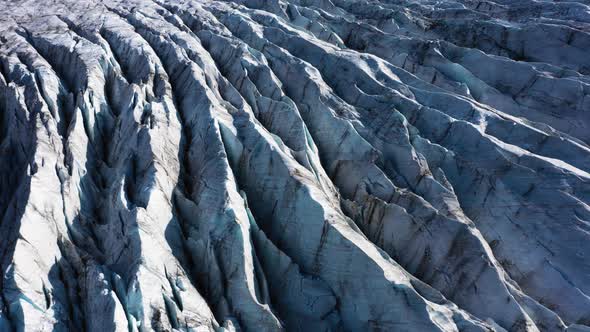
[[299, 165]]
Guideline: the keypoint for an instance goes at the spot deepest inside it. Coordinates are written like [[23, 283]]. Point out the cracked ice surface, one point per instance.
[[299, 165]]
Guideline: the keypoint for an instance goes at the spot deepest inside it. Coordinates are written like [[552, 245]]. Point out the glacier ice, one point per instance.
[[298, 165]]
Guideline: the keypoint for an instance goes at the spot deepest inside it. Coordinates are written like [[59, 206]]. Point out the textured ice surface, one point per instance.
[[300, 165]]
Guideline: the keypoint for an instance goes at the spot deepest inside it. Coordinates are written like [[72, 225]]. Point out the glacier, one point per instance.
[[295, 165]]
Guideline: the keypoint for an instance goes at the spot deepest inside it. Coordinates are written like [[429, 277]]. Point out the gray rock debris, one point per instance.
[[300, 165]]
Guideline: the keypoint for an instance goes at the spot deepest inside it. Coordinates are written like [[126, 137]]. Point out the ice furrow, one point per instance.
[[200, 111]]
